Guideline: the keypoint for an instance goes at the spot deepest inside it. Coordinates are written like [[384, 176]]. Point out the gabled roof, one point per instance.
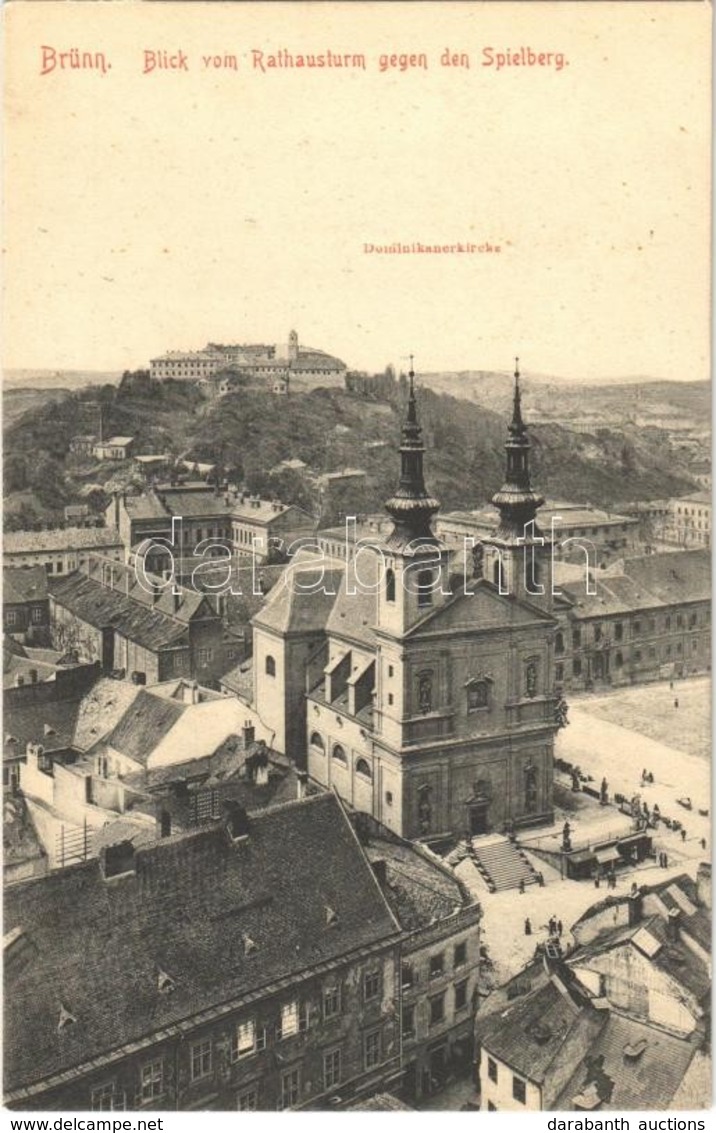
[[101, 709], [145, 723], [51, 724], [24, 584], [301, 601], [134, 617], [648, 1081], [97, 948], [479, 606]]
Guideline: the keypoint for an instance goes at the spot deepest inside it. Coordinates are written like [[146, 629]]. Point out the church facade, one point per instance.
[[433, 708]]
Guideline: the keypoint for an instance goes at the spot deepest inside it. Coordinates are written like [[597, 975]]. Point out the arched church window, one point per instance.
[[426, 581], [390, 586], [339, 755], [531, 678], [425, 692], [363, 768], [270, 666], [317, 742]]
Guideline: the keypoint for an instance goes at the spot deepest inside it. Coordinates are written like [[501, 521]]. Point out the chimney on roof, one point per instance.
[[249, 733], [672, 924], [236, 821], [380, 868], [636, 904], [301, 784]]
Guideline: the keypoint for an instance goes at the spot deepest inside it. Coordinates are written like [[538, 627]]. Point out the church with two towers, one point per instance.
[[422, 690]]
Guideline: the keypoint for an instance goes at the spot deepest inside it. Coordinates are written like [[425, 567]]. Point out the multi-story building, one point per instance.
[[280, 366], [252, 964], [575, 530], [643, 619], [440, 959], [25, 604], [61, 550], [265, 529], [150, 633], [688, 523], [620, 1022], [432, 705]]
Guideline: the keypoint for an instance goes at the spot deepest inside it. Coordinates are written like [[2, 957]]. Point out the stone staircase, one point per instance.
[[501, 863]]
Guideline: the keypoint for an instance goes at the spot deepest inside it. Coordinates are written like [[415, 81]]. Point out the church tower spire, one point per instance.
[[410, 506], [515, 501]]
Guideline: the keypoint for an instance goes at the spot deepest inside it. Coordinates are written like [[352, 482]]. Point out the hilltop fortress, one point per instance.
[[281, 367]]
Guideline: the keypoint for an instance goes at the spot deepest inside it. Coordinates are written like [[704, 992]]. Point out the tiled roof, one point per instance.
[[24, 584], [134, 617], [647, 582], [60, 539], [147, 721], [101, 709], [240, 679], [294, 607], [51, 724], [419, 891], [97, 947], [530, 1034], [265, 511], [648, 1081], [316, 360]]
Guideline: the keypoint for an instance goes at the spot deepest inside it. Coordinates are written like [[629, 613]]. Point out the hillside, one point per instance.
[[249, 432]]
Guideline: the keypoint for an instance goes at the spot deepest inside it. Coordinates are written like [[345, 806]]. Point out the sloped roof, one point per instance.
[[60, 539], [97, 948], [683, 576], [528, 1035], [480, 606], [51, 724], [147, 721], [101, 709], [648, 1082], [419, 891], [24, 584], [101, 606], [301, 601]]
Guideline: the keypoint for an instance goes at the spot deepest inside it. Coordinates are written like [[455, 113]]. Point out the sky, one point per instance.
[[157, 211]]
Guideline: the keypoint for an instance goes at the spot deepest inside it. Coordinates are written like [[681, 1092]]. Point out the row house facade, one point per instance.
[[280, 996], [649, 621]]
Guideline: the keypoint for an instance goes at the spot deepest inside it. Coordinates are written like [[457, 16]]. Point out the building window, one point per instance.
[[37, 614], [290, 1088], [519, 1089], [425, 582], [577, 667], [408, 1022], [316, 742], [371, 1050], [200, 1059], [679, 621], [390, 698], [460, 954], [11, 617], [597, 633], [618, 631], [331, 1002], [390, 670], [290, 1022], [243, 1041], [371, 985], [559, 643], [407, 975], [576, 638], [152, 1081], [492, 1070], [103, 1097], [270, 666], [461, 995], [205, 656], [362, 768], [390, 586], [531, 679], [437, 965], [388, 798], [339, 755], [637, 627], [437, 1009], [331, 1069], [667, 623], [478, 695], [618, 660], [559, 673]]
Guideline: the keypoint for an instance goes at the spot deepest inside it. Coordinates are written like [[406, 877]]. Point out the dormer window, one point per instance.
[[66, 1019], [165, 983]]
